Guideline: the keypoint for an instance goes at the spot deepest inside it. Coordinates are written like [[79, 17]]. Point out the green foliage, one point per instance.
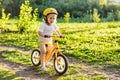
[[96, 16], [103, 2], [118, 15], [11, 6], [110, 16], [4, 19], [76, 8], [67, 17], [26, 18], [87, 17], [35, 15]]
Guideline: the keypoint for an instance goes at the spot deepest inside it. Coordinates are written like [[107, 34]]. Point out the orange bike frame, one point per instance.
[[52, 51]]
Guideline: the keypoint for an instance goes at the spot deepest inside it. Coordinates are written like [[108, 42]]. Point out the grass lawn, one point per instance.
[[93, 43], [97, 43]]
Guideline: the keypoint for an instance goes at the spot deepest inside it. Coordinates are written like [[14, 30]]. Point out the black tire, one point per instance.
[[35, 53], [62, 67]]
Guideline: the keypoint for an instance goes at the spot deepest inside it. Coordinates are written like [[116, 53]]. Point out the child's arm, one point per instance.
[[58, 32], [40, 34]]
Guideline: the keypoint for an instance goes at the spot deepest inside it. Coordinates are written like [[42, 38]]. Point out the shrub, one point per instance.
[[4, 19], [26, 19], [96, 16], [67, 17]]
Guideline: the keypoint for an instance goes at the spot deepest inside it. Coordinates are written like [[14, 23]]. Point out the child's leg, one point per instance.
[[49, 47], [43, 54]]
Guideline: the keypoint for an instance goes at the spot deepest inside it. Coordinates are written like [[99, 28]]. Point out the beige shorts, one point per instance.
[[49, 44]]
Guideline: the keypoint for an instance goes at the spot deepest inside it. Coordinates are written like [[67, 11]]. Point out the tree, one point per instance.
[[11, 6]]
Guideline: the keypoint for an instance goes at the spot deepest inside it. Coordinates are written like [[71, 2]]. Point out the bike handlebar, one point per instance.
[[47, 36], [57, 36]]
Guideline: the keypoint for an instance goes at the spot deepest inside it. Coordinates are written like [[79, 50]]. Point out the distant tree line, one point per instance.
[[79, 9]]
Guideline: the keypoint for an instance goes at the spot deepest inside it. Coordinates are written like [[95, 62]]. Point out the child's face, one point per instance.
[[51, 18]]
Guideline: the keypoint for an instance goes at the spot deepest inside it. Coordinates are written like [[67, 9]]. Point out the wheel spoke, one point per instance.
[[60, 64], [35, 57]]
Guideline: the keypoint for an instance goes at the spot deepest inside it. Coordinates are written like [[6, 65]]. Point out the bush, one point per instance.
[[96, 16], [67, 17], [4, 19], [26, 18]]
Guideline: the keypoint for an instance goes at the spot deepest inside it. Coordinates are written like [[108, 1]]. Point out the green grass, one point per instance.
[[16, 57], [94, 43], [25, 41], [8, 75]]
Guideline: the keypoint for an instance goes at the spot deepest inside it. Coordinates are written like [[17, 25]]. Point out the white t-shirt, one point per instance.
[[47, 30]]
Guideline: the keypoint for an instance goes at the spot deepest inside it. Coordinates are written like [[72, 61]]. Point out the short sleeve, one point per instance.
[[55, 27], [41, 29]]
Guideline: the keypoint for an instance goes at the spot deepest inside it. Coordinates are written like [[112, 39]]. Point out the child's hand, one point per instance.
[[61, 36], [46, 36]]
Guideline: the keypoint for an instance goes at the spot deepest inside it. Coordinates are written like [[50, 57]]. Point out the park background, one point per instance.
[[81, 10]]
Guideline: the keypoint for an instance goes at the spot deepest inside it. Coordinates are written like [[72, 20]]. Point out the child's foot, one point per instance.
[[49, 64], [44, 68]]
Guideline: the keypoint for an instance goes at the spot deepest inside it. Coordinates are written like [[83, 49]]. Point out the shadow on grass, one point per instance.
[[6, 75], [114, 65], [113, 68]]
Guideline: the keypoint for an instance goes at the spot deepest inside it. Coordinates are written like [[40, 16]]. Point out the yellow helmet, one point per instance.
[[50, 11]]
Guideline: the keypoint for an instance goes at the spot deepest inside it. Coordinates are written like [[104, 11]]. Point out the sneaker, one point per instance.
[[44, 68], [49, 64]]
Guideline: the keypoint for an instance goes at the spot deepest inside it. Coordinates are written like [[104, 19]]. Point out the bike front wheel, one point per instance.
[[35, 57], [61, 64]]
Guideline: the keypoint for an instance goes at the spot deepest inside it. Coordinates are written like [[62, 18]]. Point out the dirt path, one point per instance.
[[29, 73]]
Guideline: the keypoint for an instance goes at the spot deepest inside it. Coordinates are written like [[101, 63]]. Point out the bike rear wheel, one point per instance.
[[35, 57], [61, 64]]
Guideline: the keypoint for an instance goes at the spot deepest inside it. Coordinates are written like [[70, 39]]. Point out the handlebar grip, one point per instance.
[[46, 36]]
